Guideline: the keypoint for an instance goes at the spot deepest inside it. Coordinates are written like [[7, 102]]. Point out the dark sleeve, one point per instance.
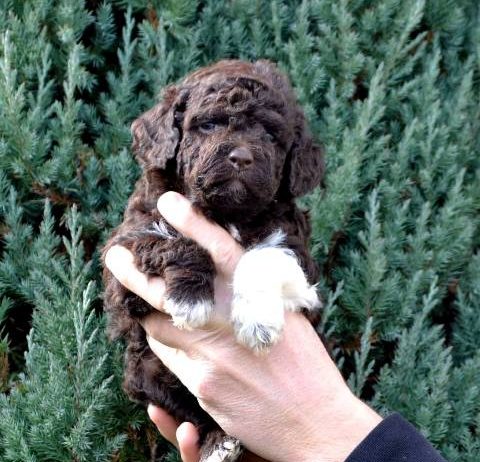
[[395, 440]]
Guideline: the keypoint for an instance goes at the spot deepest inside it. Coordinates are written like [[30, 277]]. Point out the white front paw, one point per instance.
[[258, 319], [189, 315], [299, 294], [268, 280]]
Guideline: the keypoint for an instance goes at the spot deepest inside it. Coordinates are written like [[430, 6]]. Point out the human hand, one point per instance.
[[291, 404]]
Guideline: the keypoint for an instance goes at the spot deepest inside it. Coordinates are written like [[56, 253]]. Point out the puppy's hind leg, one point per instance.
[[219, 447]]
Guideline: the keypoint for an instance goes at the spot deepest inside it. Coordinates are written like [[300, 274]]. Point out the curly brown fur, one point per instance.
[[232, 138]]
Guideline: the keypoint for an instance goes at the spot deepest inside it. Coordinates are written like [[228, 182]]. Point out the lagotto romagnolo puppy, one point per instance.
[[232, 138]]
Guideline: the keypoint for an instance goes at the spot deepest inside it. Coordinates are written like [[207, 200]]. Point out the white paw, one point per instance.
[[268, 280], [300, 294], [189, 315], [258, 319], [228, 451]]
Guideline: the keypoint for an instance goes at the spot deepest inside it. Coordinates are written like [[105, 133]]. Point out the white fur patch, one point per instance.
[[189, 316], [268, 280], [159, 228], [233, 230], [276, 239], [228, 452]]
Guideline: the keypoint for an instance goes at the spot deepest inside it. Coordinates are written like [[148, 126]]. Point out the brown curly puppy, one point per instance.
[[232, 138]]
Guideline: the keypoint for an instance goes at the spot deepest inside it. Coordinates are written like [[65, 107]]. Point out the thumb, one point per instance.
[[179, 212]]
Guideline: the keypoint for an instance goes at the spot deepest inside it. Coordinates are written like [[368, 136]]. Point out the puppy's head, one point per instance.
[[236, 137]]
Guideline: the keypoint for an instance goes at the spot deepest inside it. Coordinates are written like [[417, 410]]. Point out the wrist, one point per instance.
[[338, 432]]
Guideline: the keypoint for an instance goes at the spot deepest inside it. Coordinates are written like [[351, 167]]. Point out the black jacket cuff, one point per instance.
[[395, 440]]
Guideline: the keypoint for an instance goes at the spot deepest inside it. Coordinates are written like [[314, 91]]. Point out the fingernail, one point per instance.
[[169, 200], [174, 207], [151, 411], [117, 255], [150, 408]]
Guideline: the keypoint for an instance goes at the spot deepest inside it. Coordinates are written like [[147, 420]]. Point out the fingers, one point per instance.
[[120, 262], [187, 437], [165, 423], [178, 211], [184, 436], [160, 327], [190, 372]]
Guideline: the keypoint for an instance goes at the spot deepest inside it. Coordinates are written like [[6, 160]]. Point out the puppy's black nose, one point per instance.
[[241, 158]]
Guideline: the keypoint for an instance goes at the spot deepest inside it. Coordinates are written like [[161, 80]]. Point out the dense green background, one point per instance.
[[391, 87]]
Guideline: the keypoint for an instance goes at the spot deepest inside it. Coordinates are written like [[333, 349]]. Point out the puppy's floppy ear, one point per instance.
[[305, 161], [157, 133]]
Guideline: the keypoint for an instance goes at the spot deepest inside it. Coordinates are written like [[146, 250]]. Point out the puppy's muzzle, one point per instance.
[[241, 158]]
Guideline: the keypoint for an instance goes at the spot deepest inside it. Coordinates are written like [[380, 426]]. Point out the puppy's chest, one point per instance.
[[234, 232], [248, 236]]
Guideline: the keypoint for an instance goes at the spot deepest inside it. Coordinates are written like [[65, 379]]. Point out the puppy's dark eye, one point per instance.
[[209, 127], [270, 137]]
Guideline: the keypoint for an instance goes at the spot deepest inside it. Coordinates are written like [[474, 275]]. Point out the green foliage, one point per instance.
[[390, 88], [68, 385]]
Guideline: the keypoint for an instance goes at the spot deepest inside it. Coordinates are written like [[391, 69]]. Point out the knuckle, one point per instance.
[[226, 257], [188, 220], [206, 386]]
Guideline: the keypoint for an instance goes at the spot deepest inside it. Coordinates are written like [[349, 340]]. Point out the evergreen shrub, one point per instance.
[[391, 88]]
